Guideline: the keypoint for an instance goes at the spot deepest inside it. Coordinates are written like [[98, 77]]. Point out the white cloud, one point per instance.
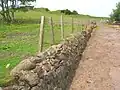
[[91, 7]]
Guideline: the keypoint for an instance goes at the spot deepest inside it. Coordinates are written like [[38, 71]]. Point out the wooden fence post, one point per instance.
[[52, 31], [41, 37], [62, 28], [86, 26], [72, 26], [83, 26], [80, 24], [77, 26]]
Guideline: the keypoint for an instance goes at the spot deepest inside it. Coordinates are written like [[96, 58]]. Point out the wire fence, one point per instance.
[[19, 41], [52, 32]]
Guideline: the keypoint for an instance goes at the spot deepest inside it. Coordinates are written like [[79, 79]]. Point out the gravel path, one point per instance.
[[99, 68]]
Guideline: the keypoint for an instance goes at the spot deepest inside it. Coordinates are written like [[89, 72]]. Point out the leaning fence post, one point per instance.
[[41, 37], [83, 27], [52, 31], [62, 28], [78, 26], [86, 26], [72, 26]]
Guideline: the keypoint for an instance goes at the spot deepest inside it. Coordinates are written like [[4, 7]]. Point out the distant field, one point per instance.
[[19, 41]]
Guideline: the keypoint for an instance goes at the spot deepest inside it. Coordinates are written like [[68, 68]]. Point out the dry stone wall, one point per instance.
[[54, 68]]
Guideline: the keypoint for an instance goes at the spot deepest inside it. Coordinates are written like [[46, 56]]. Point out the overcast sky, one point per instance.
[[91, 7]]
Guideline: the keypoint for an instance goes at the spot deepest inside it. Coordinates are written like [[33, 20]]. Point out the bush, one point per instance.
[[75, 12], [41, 9], [3, 35], [23, 9], [68, 12]]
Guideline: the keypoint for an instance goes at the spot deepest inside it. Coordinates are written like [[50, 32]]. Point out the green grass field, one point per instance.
[[19, 41]]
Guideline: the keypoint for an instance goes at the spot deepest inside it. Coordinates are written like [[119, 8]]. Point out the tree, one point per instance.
[[66, 12], [9, 7], [115, 16], [75, 12]]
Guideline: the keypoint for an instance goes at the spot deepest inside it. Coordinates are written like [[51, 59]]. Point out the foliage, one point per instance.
[[75, 12], [2, 35], [24, 2], [41, 9], [9, 7], [115, 16], [68, 12]]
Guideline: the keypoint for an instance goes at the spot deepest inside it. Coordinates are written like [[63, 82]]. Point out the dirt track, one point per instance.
[[99, 68]]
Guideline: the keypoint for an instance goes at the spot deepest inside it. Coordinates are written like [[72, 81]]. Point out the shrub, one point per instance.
[[41, 9], [68, 12], [3, 35], [75, 12]]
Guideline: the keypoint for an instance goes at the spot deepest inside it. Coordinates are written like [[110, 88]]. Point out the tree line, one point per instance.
[[65, 11], [9, 7]]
